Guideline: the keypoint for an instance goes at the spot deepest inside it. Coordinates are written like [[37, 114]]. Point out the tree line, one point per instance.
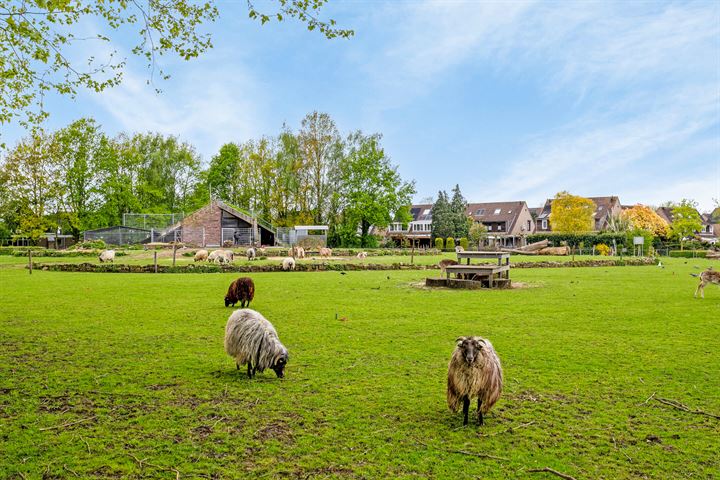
[[79, 178]]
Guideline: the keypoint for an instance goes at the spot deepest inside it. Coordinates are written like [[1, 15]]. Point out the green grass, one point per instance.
[[96, 369]]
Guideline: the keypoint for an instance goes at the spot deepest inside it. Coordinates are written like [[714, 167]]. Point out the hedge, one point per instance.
[[688, 253], [588, 239]]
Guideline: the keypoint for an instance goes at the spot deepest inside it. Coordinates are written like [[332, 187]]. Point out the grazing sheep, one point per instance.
[[446, 262], [251, 339], [221, 258], [251, 253], [288, 264], [325, 252], [297, 252], [241, 290], [213, 255], [230, 255], [107, 256], [474, 371], [201, 255], [362, 255]]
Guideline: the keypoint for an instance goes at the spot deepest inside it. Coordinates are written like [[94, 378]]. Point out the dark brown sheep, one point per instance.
[[241, 290]]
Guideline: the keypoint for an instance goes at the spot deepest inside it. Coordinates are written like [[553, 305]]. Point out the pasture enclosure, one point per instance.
[[124, 376]]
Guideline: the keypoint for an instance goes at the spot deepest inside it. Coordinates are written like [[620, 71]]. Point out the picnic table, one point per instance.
[[493, 273]]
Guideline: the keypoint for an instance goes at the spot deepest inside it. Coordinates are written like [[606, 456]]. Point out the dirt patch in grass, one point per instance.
[[277, 430], [513, 286]]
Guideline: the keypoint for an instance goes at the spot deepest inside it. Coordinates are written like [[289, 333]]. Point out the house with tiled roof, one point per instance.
[[710, 223], [507, 223], [605, 207]]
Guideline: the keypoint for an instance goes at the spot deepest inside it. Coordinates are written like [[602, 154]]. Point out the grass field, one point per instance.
[[124, 376]]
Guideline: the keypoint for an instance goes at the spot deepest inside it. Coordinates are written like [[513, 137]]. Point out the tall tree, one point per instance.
[[321, 149], [373, 188], [222, 174], [458, 207], [78, 149], [571, 214], [645, 218], [31, 176], [686, 221], [442, 225]]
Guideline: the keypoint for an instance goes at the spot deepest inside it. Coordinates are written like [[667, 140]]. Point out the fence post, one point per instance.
[[174, 252], [155, 259], [30, 261]]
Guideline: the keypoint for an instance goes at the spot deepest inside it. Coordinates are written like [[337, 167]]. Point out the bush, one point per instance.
[[450, 244], [602, 249], [464, 243], [688, 253], [439, 244], [588, 239], [89, 245]]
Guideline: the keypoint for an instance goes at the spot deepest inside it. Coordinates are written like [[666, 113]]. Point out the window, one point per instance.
[[480, 211], [529, 225], [509, 211], [489, 228], [500, 227], [426, 211], [497, 211], [544, 224]]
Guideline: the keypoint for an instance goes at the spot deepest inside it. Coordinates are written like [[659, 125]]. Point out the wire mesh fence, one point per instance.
[[148, 221]]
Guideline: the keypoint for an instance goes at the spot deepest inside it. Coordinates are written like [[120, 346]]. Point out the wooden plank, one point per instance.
[[473, 254], [479, 269]]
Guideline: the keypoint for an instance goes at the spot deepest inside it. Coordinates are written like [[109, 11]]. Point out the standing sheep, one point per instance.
[[251, 253], [474, 371], [362, 255], [213, 255], [325, 252], [201, 255], [297, 252], [288, 264], [241, 290], [251, 339], [107, 256]]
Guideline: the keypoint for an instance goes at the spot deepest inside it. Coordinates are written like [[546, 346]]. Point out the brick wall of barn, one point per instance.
[[208, 218]]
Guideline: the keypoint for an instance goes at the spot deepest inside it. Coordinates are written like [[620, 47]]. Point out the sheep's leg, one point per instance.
[[250, 371], [480, 415], [466, 408], [237, 365]]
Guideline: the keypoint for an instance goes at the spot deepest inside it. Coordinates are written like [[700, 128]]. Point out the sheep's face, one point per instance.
[[471, 348], [227, 302], [279, 366]]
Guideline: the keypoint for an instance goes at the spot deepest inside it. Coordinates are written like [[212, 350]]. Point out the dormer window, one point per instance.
[[426, 211], [480, 211], [497, 211]]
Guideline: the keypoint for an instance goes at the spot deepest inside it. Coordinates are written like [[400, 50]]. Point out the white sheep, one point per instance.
[[251, 253], [474, 371], [288, 264], [222, 258], [362, 255], [250, 338], [107, 256]]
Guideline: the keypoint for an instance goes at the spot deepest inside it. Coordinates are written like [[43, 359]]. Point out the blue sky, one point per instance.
[[512, 100]]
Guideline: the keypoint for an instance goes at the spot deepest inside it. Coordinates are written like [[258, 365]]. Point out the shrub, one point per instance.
[[439, 244], [587, 239], [602, 249], [688, 253], [464, 243], [450, 244], [89, 245]]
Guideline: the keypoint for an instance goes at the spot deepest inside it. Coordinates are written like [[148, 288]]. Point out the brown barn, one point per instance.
[[219, 222]]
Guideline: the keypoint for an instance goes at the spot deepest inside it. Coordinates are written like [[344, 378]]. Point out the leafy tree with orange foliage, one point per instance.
[[645, 218], [571, 214]]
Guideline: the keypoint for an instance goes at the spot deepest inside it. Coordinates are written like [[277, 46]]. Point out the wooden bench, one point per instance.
[[484, 272]]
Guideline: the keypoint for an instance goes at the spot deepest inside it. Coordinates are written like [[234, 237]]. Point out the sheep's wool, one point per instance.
[[482, 379], [251, 338]]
